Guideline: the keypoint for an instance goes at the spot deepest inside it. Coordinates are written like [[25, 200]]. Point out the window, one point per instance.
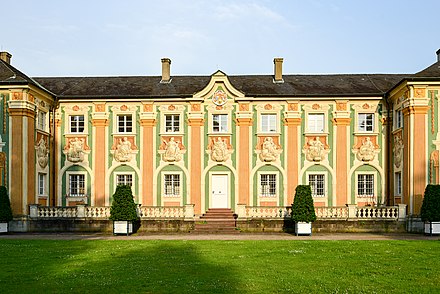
[[398, 183], [172, 123], [172, 185], [268, 123], [42, 120], [366, 122], [77, 185], [124, 179], [399, 119], [77, 123], [268, 185], [41, 184], [125, 123], [365, 187], [315, 123], [220, 123], [317, 183]]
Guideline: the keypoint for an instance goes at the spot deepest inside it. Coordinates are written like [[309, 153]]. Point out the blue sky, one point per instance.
[[108, 38]]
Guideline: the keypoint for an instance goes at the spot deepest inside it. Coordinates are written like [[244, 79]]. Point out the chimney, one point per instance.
[[6, 57], [166, 76], [278, 70], [438, 55]]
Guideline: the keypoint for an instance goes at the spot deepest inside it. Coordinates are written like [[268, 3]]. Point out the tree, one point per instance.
[[303, 209], [5, 205], [430, 211], [123, 207]]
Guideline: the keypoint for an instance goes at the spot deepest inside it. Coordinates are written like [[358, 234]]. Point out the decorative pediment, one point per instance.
[[219, 90]]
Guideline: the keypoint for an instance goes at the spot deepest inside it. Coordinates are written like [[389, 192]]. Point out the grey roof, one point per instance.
[[331, 85]]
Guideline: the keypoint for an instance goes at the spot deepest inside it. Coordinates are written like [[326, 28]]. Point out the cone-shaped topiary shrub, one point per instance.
[[123, 207], [5, 205], [303, 209], [430, 211]]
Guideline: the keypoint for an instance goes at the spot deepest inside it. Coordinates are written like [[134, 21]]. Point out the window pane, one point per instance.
[[268, 185], [172, 123], [366, 185], [316, 122], [172, 185], [76, 185], [124, 123], [317, 184], [366, 122], [220, 123], [269, 123]]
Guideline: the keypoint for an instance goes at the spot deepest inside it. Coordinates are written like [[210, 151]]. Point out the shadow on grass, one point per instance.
[[117, 267]]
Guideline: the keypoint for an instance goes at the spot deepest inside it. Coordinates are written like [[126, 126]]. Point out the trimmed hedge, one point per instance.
[[430, 211], [303, 209], [123, 207], [5, 205]]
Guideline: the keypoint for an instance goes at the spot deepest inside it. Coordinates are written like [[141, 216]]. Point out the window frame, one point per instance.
[[173, 122], [125, 174], [77, 124], [226, 122], [315, 131], [42, 120], [398, 183], [273, 119], [365, 129], [69, 186], [374, 182], [398, 119], [42, 184], [173, 187], [325, 183], [268, 195]]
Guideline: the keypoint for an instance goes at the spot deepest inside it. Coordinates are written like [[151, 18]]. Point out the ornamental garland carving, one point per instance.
[[220, 150], [42, 153], [398, 151], [315, 150]]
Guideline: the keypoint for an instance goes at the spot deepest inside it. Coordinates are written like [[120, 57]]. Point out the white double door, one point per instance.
[[219, 191]]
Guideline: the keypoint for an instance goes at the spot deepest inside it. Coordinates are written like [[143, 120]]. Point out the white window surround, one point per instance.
[[371, 109], [323, 173], [274, 109], [366, 197], [260, 188], [176, 110], [180, 174], [310, 109], [72, 173], [316, 123], [69, 112], [398, 119], [129, 110], [42, 184], [42, 120], [366, 122], [124, 123]]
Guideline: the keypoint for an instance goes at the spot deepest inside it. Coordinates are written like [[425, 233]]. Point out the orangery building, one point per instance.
[[219, 141]]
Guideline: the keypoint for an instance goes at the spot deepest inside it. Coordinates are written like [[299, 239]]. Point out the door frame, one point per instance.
[[228, 190]]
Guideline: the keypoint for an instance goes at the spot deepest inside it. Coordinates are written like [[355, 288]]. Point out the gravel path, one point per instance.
[[241, 236]]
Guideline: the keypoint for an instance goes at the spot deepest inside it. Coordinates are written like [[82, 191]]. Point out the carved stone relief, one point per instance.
[[123, 150], [269, 150], [171, 150], [315, 150], [42, 153], [74, 150], [398, 151], [219, 151]]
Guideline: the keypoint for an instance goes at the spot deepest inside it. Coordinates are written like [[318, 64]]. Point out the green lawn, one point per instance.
[[139, 266]]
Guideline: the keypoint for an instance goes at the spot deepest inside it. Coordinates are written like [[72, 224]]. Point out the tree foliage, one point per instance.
[[123, 207], [303, 209], [430, 211], [5, 205]]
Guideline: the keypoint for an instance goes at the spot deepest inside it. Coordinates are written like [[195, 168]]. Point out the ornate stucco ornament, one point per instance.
[[123, 150], [219, 150], [269, 150], [398, 151], [172, 151], [315, 150], [74, 150], [367, 151], [42, 153], [219, 98]]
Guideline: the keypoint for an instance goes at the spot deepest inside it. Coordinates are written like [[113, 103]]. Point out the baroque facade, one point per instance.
[[219, 141]]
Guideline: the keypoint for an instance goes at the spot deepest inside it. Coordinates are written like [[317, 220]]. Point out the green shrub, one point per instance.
[[303, 209], [5, 205], [123, 207], [430, 211]]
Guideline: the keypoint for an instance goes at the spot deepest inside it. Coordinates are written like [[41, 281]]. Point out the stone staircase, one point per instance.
[[216, 221]]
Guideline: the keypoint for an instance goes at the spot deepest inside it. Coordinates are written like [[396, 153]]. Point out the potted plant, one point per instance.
[[5, 210], [123, 210], [303, 210], [430, 212]]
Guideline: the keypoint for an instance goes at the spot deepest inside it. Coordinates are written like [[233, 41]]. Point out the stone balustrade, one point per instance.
[[348, 212]]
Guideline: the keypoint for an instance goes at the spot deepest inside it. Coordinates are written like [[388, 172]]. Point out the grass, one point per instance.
[[139, 266]]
